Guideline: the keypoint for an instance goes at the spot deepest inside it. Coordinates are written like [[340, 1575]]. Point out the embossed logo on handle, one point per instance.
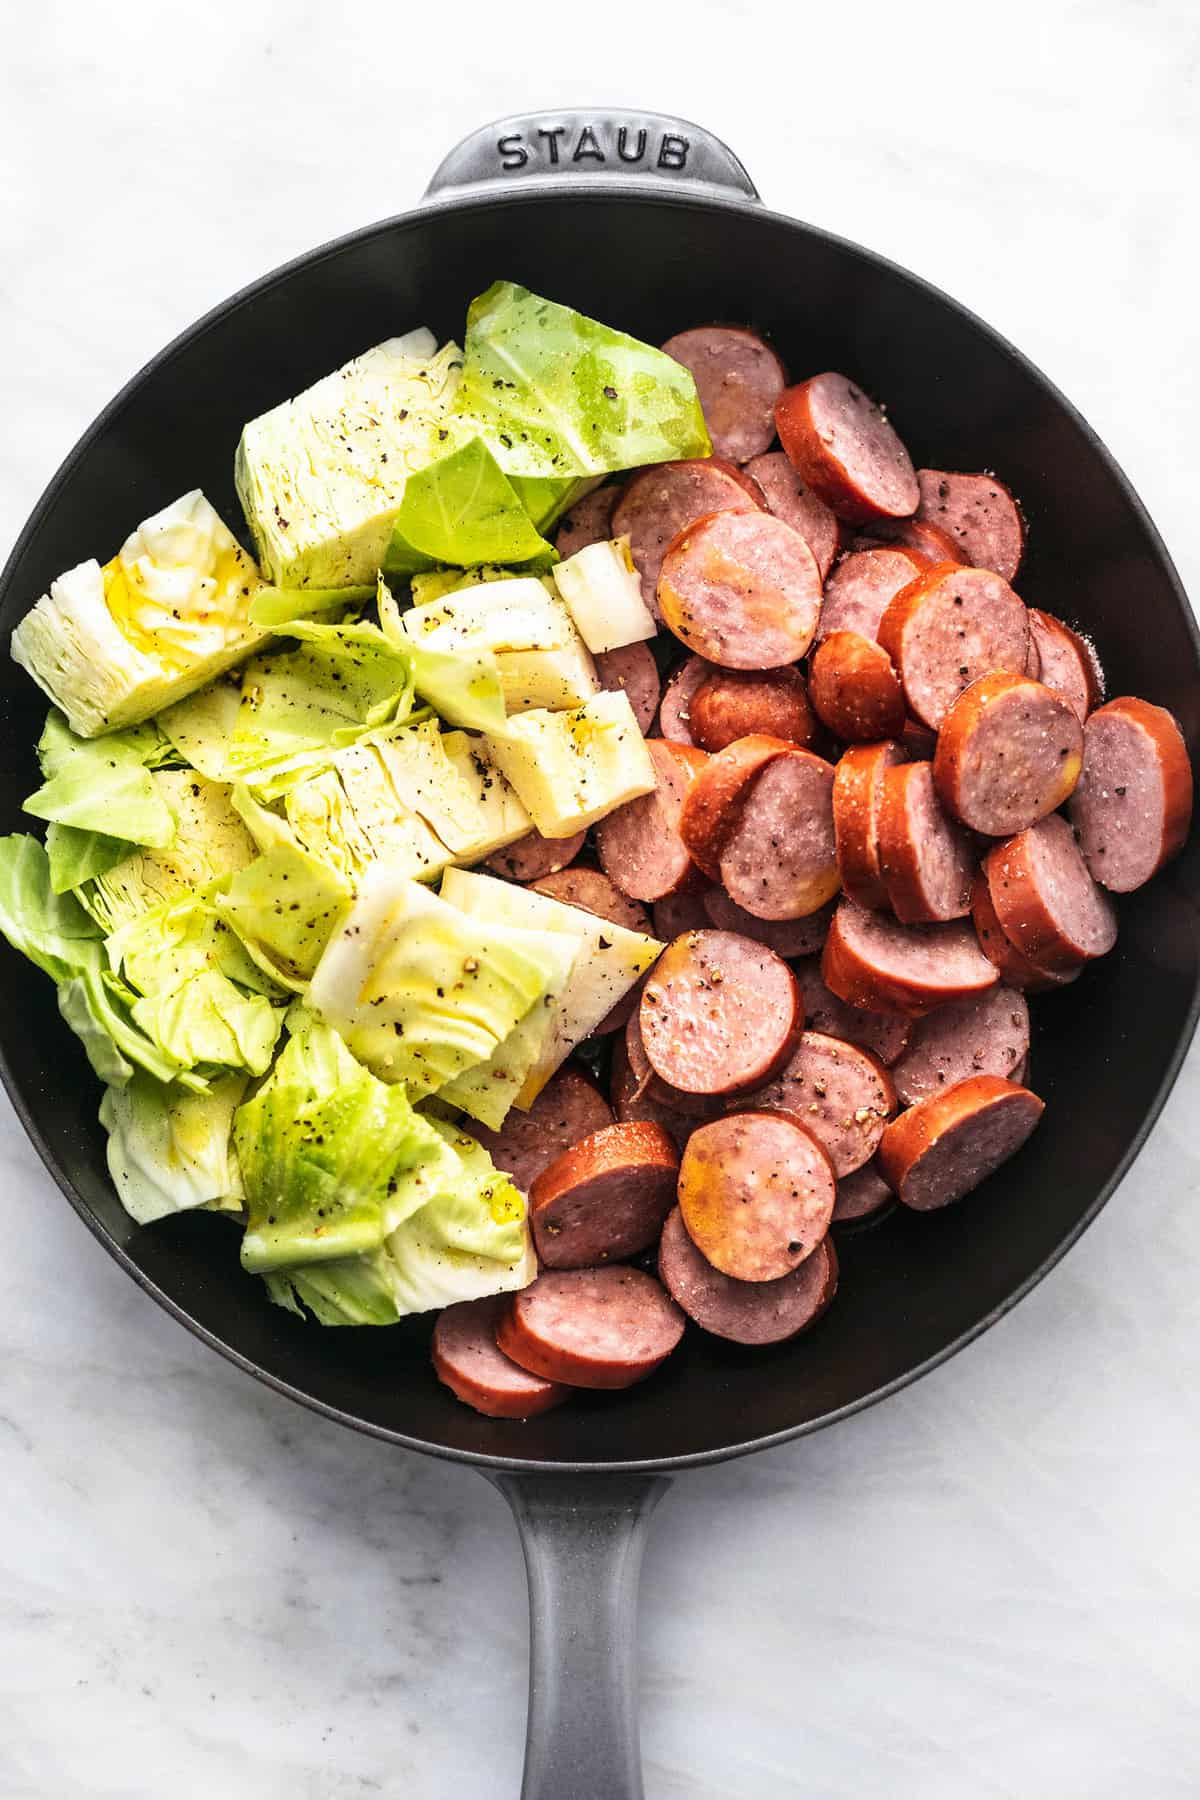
[[591, 145]]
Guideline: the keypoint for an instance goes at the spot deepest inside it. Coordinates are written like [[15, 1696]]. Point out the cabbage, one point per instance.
[[113, 646], [462, 508], [284, 906], [102, 785], [170, 1150], [519, 627], [210, 842], [201, 727], [571, 769]]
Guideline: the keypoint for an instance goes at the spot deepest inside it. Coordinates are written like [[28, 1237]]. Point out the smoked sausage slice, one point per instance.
[[756, 1192], [885, 1035], [861, 1196], [1066, 663], [928, 541], [593, 892], [854, 689], [759, 819], [741, 589], [605, 1198], [1133, 805], [839, 1092], [841, 444], [468, 1361], [568, 1108], [1009, 752], [730, 704], [634, 1099], [588, 521], [719, 1014], [986, 1035], [945, 1146], [1045, 899], [592, 1328], [979, 513], [674, 713], [738, 380], [787, 937], [533, 856], [873, 961], [661, 501], [793, 501], [652, 1086], [948, 628], [927, 861], [681, 912], [745, 1312], [857, 797], [1015, 968], [632, 670], [639, 845], [863, 586]]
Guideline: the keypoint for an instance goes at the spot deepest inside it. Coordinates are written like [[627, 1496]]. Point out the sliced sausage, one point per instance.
[[718, 796], [533, 856], [862, 1195], [1133, 806], [986, 1035], [468, 1361], [568, 1108], [651, 1086], [719, 1013], [854, 689], [1009, 752], [745, 1312], [588, 521], [926, 859], [756, 1192], [730, 704], [632, 670], [863, 586], [1066, 663], [885, 1035], [793, 501], [738, 379], [839, 442], [677, 913], [780, 859], [838, 1091], [787, 937], [592, 1328], [661, 501], [594, 892], [639, 844], [943, 1147], [918, 741], [857, 798], [675, 710], [741, 589], [634, 1099], [979, 513], [605, 1198], [872, 961], [1015, 968], [1045, 899], [948, 628], [926, 540]]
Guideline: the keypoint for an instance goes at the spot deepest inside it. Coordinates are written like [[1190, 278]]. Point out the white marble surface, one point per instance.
[[987, 1587]]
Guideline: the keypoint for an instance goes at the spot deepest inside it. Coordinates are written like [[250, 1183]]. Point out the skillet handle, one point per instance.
[[583, 1542], [593, 145]]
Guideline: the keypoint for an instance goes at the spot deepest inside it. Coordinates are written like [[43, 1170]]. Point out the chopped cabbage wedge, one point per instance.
[[210, 842], [170, 1150]]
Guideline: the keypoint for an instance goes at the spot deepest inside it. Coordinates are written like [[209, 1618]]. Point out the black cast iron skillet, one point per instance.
[[651, 224]]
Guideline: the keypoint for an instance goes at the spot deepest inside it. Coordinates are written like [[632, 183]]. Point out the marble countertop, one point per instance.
[[987, 1587]]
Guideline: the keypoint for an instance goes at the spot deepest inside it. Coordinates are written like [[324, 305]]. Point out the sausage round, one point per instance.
[[719, 1014], [862, 1195], [1014, 967], [873, 961], [467, 1359], [718, 796], [568, 1108], [588, 521], [926, 540], [741, 589], [885, 1035], [634, 1099], [661, 501], [675, 709], [985, 1035], [780, 858], [793, 501], [1133, 805], [839, 1092], [605, 1198], [738, 380], [943, 1147], [855, 691], [730, 704], [787, 937], [1066, 663], [1045, 899], [631, 669], [946, 629], [533, 856], [857, 797], [639, 845], [863, 586], [927, 861], [841, 444], [979, 513], [756, 1192], [681, 912], [1009, 752], [594, 892], [592, 1328], [745, 1312]]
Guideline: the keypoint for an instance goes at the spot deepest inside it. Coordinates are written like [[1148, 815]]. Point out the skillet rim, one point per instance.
[[631, 189]]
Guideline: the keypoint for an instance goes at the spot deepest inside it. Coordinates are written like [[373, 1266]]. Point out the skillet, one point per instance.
[[651, 224]]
